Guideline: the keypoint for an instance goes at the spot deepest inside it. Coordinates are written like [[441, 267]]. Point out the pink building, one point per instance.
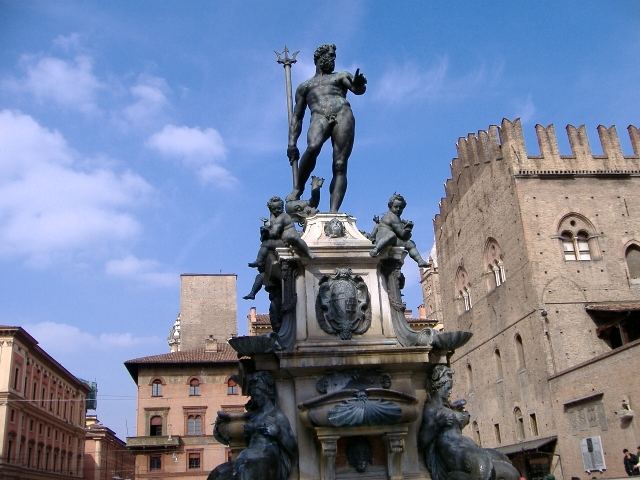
[[179, 395], [42, 411], [105, 456]]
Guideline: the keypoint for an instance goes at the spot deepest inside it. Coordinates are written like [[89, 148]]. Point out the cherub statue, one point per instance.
[[278, 232], [301, 209], [393, 231]]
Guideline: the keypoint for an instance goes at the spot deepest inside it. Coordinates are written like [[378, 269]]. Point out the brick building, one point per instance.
[[180, 392], [42, 411], [430, 284], [105, 456], [539, 256]]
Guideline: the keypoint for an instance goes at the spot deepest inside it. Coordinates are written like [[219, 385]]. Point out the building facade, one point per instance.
[[105, 456], [258, 323], [430, 284], [539, 256], [180, 392], [42, 411]]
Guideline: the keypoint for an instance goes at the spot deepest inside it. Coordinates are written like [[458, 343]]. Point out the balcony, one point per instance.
[[153, 442]]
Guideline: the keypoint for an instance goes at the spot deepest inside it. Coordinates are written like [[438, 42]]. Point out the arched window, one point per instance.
[[463, 288], [578, 238], [155, 426], [520, 350], [576, 247], [494, 261], [194, 425], [232, 387], [533, 424], [517, 414], [156, 388], [498, 358], [632, 256], [194, 387], [469, 377], [476, 432]]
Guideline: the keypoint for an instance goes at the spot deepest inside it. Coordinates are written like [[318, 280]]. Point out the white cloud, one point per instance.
[[525, 109], [71, 84], [143, 271], [409, 82], [49, 205], [149, 100], [68, 42], [61, 338], [188, 142], [200, 149]]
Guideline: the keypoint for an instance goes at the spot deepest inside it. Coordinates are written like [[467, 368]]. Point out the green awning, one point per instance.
[[526, 446]]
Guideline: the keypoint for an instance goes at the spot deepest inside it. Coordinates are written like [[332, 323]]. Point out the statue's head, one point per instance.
[[325, 57], [397, 203], [359, 453], [275, 205], [261, 387], [441, 380]]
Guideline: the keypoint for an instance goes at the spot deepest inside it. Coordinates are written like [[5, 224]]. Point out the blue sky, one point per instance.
[[141, 140]]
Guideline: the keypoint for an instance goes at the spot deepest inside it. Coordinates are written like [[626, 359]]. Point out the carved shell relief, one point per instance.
[[361, 410]]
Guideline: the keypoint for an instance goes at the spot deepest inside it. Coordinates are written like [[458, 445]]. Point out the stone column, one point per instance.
[[329, 445], [395, 449]]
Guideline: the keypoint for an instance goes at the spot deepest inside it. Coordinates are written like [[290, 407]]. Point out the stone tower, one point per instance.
[[207, 308], [537, 256]]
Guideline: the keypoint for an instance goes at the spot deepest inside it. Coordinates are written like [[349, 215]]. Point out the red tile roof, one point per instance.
[[262, 319], [224, 355]]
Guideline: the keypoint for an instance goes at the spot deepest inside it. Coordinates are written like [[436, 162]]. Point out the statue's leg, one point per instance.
[[260, 257], [318, 133], [383, 241], [411, 248], [292, 238], [257, 285], [505, 470], [303, 247], [481, 466], [342, 141]]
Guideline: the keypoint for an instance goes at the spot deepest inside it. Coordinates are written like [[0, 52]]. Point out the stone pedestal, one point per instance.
[[349, 371], [335, 383]]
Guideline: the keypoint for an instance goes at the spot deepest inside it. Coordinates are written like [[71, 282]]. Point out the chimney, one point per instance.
[[211, 344], [422, 312], [253, 315]]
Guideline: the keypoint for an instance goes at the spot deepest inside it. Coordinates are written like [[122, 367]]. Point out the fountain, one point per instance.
[[339, 388]]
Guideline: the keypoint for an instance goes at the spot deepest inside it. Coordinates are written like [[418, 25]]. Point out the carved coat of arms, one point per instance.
[[342, 306]]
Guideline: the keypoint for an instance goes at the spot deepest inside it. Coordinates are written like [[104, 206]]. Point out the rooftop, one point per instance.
[[32, 343], [261, 319], [223, 354]]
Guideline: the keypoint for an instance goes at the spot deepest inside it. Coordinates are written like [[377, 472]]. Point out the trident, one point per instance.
[[286, 61]]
